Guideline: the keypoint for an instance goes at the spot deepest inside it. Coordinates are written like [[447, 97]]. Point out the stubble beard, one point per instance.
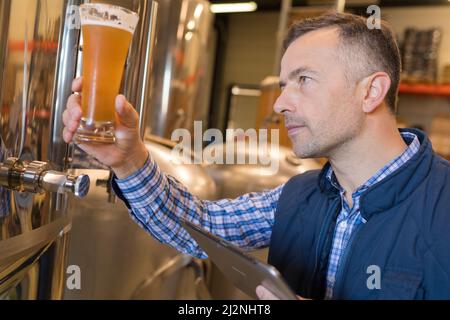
[[324, 142]]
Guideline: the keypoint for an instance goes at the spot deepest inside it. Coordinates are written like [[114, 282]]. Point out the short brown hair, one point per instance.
[[376, 49]]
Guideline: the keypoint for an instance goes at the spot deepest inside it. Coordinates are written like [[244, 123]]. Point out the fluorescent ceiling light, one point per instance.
[[198, 11], [347, 2], [234, 7]]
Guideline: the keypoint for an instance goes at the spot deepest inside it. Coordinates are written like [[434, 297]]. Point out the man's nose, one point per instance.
[[283, 104]]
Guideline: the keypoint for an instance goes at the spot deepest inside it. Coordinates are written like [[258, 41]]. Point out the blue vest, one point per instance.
[[402, 252]]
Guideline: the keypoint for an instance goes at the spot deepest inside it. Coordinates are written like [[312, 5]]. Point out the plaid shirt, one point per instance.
[[159, 200]]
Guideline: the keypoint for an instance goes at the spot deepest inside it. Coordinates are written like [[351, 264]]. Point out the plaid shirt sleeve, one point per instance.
[[157, 201]]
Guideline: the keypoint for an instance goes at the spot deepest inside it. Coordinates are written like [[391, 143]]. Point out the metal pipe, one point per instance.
[[5, 11], [340, 6], [144, 85], [65, 73], [286, 6], [137, 78]]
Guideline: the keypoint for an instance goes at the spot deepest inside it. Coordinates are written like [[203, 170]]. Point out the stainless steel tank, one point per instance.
[[117, 258], [184, 62], [238, 179], [36, 68]]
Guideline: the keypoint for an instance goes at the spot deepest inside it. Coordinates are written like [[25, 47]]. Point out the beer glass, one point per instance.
[[107, 33]]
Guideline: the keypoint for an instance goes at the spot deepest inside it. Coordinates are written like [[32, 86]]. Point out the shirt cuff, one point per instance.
[[141, 188], [118, 192]]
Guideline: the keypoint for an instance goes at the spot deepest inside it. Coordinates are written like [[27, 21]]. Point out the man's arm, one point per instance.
[[157, 201]]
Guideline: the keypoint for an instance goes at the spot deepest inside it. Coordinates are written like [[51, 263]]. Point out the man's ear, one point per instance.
[[376, 87]]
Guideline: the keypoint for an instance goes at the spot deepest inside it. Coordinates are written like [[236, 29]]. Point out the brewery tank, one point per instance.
[[35, 185], [183, 68]]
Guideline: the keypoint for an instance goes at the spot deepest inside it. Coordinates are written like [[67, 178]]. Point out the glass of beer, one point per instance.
[[107, 33]]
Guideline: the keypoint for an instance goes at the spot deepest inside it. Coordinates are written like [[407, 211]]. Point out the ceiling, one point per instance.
[[275, 4]]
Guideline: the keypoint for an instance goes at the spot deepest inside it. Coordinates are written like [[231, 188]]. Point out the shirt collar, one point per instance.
[[413, 147]]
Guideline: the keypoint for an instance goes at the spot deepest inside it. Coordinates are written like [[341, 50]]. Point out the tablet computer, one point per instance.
[[244, 271]]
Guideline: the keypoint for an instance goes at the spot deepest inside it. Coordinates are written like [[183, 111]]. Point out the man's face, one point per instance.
[[320, 106]]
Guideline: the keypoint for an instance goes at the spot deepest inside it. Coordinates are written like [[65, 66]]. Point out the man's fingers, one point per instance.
[[72, 115], [128, 117], [67, 135], [264, 294], [66, 117], [75, 113], [69, 115], [77, 84], [74, 101], [73, 125]]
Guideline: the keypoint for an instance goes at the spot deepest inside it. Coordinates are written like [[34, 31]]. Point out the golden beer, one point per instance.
[[105, 49]]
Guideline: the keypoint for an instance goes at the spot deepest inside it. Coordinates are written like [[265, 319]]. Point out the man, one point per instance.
[[373, 224]]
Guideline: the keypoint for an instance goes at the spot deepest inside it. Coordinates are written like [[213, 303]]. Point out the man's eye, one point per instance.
[[302, 79]]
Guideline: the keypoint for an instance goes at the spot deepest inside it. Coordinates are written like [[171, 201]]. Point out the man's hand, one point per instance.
[[265, 294], [128, 154]]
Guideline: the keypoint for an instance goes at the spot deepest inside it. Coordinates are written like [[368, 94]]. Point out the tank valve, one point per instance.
[[36, 177]]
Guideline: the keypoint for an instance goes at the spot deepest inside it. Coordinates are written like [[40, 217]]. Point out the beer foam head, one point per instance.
[[108, 15]]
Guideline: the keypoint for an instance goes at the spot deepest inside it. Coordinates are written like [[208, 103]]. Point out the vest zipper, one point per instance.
[[343, 264], [322, 238]]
